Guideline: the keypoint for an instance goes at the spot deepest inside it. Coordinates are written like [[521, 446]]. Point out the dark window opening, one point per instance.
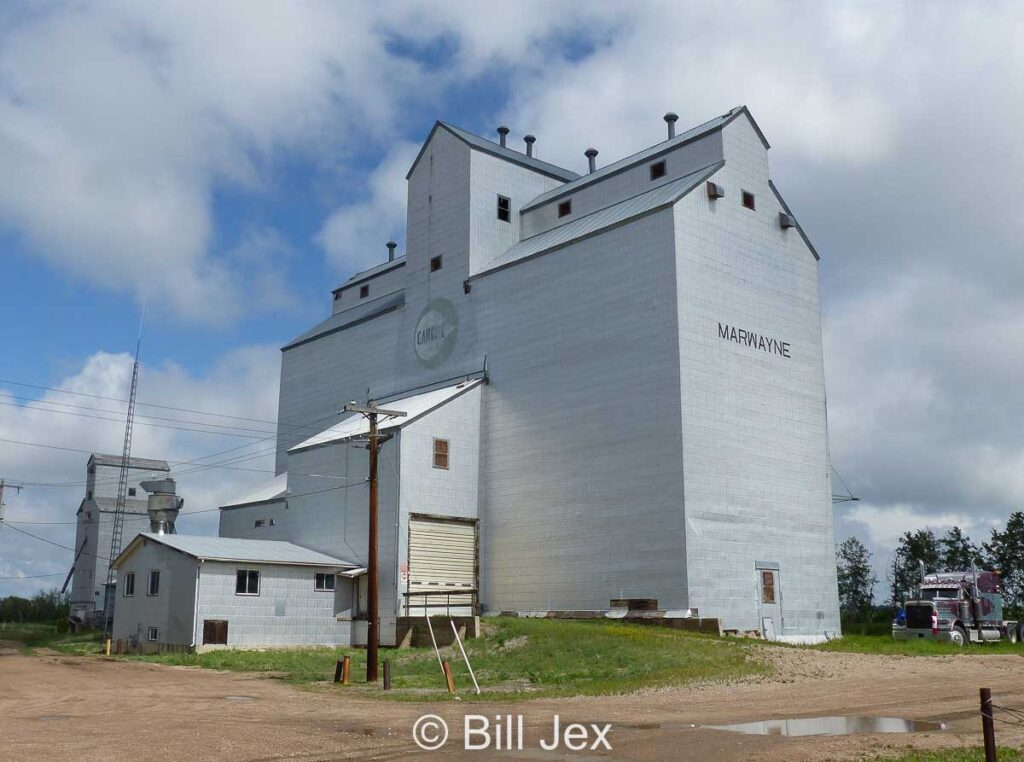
[[565, 208], [129, 584], [152, 634], [88, 495], [658, 170], [364, 291], [767, 587], [504, 209], [247, 582], [154, 583], [323, 583], [131, 492], [748, 199], [435, 263], [259, 523], [441, 453]]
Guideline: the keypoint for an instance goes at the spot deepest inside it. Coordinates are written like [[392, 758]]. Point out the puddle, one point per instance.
[[240, 698], [830, 726]]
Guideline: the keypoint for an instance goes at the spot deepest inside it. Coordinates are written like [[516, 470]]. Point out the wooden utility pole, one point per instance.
[[371, 411], [4, 484]]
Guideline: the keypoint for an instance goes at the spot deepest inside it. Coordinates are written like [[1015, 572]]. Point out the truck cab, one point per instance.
[[958, 607]]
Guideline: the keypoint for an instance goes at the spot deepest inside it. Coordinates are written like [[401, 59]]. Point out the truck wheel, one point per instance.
[[959, 636], [1020, 632], [1013, 633]]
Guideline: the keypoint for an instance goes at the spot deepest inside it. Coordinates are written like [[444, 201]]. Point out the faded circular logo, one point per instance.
[[430, 732], [435, 333]]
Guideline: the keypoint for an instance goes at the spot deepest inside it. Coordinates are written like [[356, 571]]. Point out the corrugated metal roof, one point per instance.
[[667, 145], [663, 195], [482, 144], [145, 464], [371, 272], [275, 488], [356, 425], [350, 317], [237, 549]]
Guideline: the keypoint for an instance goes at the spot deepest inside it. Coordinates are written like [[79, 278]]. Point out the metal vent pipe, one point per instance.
[[591, 154], [391, 250], [502, 134], [529, 140], [670, 120]]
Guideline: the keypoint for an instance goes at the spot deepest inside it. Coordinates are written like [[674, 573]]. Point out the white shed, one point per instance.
[[209, 592]]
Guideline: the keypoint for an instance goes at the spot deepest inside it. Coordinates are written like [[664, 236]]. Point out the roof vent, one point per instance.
[[163, 504], [502, 133], [786, 221], [670, 120], [715, 190], [391, 250], [591, 154], [529, 140]]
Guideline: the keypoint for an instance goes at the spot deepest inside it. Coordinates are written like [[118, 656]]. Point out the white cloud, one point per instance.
[[354, 235], [243, 383]]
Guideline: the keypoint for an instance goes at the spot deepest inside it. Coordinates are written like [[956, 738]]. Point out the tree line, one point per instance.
[[44, 606], [953, 551]]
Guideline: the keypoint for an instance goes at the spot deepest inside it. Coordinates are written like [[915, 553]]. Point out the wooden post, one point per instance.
[[106, 647], [337, 671], [387, 674], [346, 663], [373, 619], [988, 725], [448, 676]]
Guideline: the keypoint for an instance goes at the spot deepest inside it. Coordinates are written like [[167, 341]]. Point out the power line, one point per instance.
[[36, 576], [48, 542], [141, 423]]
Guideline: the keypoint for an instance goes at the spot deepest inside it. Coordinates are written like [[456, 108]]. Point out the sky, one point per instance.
[[220, 167]]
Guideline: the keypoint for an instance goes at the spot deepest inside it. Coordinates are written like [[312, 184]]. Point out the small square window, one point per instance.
[[259, 523], [131, 492], [435, 263], [154, 583], [748, 199], [565, 208], [658, 169], [152, 634], [364, 291], [504, 209], [129, 584], [247, 582], [441, 453], [323, 583]]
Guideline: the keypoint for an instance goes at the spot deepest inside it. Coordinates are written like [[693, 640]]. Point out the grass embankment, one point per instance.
[[884, 644], [950, 755], [531, 657], [33, 635]]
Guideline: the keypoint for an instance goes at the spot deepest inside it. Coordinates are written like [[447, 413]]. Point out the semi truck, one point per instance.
[[958, 607]]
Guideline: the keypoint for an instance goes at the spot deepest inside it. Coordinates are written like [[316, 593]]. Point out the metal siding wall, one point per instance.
[[241, 522], [754, 431], [626, 184], [171, 610], [308, 616], [583, 480]]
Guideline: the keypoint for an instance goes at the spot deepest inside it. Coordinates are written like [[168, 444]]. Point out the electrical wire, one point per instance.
[[35, 576]]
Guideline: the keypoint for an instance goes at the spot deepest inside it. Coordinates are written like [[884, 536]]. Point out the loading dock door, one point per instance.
[[215, 632], [442, 557]]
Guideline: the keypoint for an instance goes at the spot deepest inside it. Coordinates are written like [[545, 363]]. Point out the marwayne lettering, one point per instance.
[[755, 340]]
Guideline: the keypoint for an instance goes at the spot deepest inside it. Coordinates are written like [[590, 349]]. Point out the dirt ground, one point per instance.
[[55, 706]]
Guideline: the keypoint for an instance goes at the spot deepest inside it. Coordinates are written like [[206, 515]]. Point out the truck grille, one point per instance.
[[919, 617]]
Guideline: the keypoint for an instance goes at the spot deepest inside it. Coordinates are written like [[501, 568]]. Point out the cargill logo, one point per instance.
[[436, 331]]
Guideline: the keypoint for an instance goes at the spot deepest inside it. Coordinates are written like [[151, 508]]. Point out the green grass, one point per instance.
[[949, 755], [518, 657], [884, 644], [34, 636]]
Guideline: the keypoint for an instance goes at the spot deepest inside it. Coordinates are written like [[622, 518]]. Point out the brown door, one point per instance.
[[215, 632]]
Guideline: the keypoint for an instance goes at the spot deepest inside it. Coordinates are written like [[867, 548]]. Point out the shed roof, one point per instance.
[[146, 464], [360, 313], [236, 549], [615, 214], [272, 490], [482, 144], [416, 406], [666, 145]]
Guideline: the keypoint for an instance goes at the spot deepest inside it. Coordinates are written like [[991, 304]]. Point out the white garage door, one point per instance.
[[442, 558]]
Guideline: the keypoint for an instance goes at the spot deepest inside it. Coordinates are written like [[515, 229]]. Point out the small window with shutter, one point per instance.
[[441, 453]]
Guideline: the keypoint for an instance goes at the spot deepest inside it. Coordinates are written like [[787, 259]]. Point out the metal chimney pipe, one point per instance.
[[391, 250], [529, 140], [671, 120], [502, 132], [591, 154]]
